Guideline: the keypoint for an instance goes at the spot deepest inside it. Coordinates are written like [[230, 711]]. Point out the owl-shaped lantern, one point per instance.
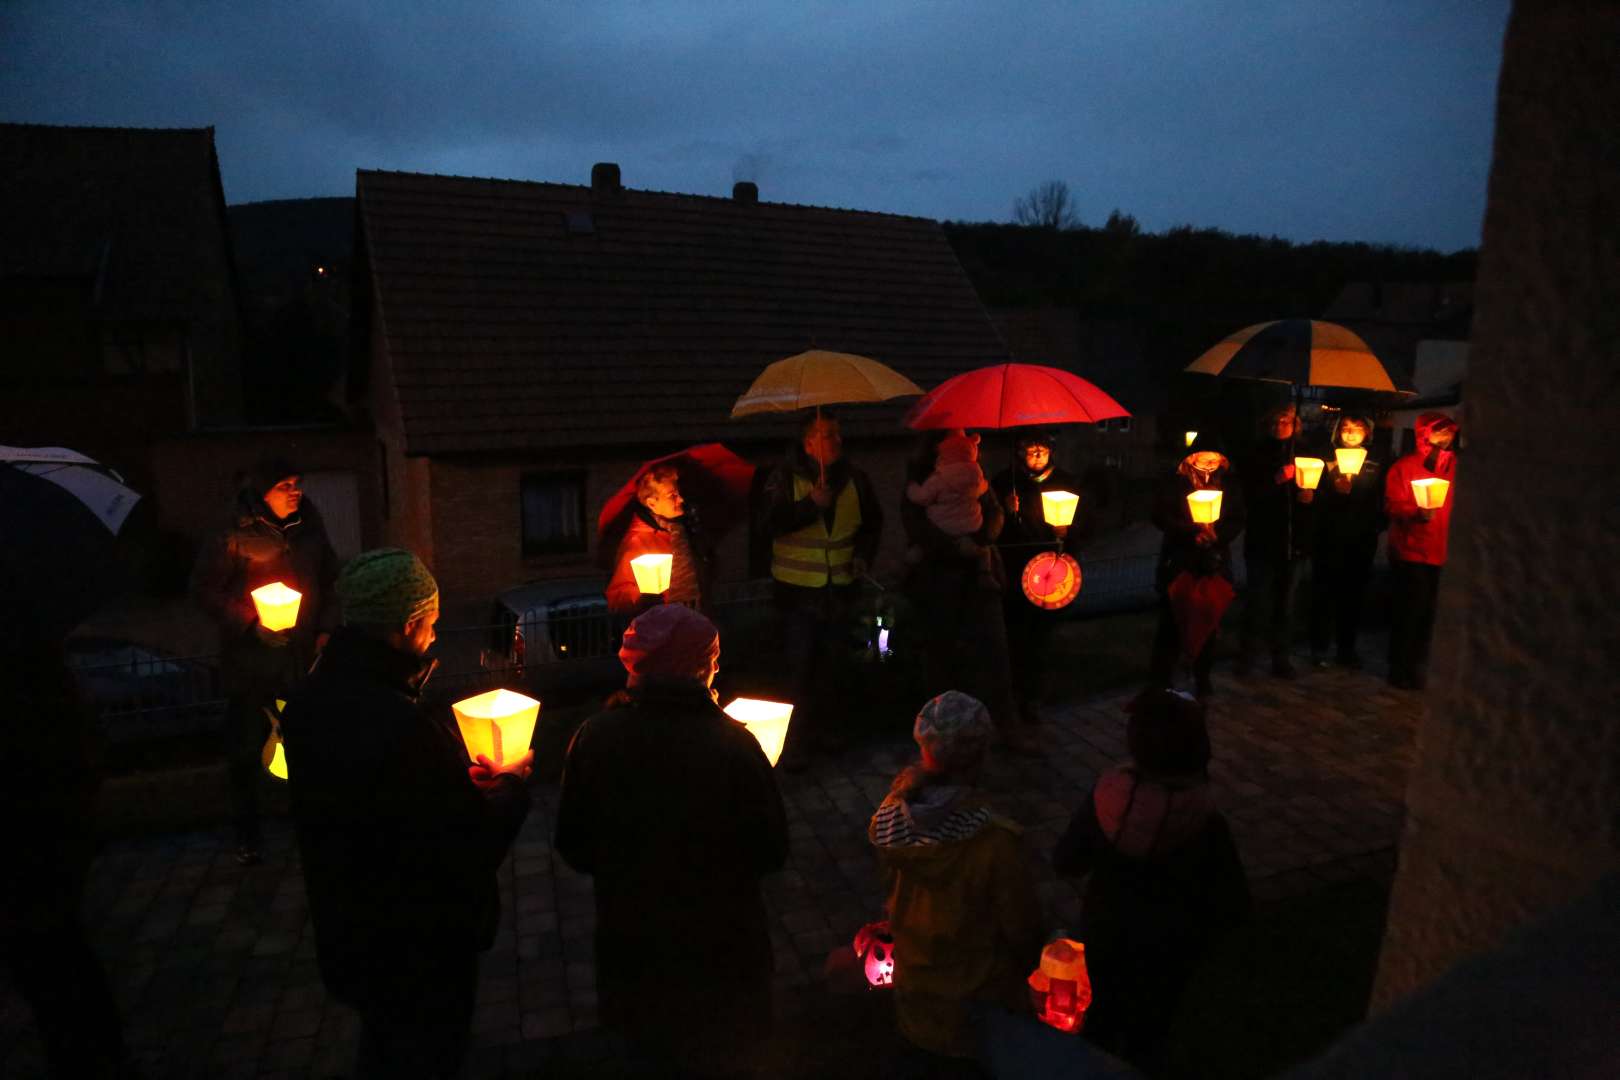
[[1060, 989], [874, 945]]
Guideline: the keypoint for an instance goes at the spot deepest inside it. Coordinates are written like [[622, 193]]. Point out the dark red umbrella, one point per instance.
[[714, 484], [1199, 601], [1012, 395]]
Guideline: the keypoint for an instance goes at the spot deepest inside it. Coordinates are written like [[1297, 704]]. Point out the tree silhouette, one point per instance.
[[1048, 206]]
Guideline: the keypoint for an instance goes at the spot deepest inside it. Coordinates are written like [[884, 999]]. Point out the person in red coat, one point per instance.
[[659, 524], [1417, 547]]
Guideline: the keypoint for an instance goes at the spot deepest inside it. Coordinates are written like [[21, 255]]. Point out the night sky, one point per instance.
[[1304, 119]]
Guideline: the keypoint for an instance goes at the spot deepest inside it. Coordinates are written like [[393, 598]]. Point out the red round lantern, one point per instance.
[[875, 946], [1051, 580]]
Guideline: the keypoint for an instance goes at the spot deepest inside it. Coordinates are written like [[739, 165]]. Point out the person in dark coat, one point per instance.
[[957, 616], [661, 523], [670, 805], [824, 524], [1349, 517], [1165, 875], [1025, 533], [400, 835], [1277, 543], [1417, 547], [1198, 550], [277, 535]]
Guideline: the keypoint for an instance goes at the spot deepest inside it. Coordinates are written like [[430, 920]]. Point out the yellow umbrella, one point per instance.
[[815, 378]]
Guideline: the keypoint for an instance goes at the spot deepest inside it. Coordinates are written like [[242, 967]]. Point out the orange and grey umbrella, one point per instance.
[[1300, 352], [815, 378]]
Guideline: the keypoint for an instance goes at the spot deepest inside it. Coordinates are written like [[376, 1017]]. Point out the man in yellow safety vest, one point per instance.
[[824, 524]]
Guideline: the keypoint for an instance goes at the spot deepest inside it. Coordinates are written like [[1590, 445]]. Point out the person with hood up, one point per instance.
[[1349, 517], [670, 805], [660, 524], [961, 899], [1165, 877], [276, 535], [1277, 543], [1193, 556], [400, 835], [1417, 547], [1019, 488], [824, 523]]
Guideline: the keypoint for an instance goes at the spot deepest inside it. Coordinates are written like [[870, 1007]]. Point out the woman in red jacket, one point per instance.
[[1417, 547]]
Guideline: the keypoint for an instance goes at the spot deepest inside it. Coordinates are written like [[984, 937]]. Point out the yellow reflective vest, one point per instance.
[[815, 556]]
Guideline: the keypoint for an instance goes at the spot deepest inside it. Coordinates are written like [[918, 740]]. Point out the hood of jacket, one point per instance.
[[929, 830], [1437, 461], [1144, 816]]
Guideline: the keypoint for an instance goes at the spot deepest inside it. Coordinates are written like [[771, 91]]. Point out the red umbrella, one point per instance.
[[1012, 395], [1199, 601], [714, 484]]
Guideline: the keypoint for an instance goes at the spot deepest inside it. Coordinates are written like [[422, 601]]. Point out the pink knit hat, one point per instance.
[[670, 641]]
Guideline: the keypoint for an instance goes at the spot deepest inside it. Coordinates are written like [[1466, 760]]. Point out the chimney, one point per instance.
[[604, 178], [745, 193]]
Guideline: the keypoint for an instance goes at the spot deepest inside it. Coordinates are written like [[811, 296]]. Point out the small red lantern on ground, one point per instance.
[[874, 945], [1051, 580], [1060, 989]]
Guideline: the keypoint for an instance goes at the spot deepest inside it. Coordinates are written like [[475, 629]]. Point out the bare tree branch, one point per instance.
[[1049, 205]]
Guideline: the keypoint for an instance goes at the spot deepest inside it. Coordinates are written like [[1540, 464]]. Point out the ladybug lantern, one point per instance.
[[1051, 580], [874, 945], [1060, 989]]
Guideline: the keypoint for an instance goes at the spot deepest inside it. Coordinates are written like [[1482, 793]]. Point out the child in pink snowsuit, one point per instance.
[[951, 492]]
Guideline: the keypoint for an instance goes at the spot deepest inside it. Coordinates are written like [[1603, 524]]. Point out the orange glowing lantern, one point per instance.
[[1430, 492], [1190, 436], [1058, 507], [652, 573], [1051, 580], [1308, 472], [1205, 506], [766, 721], [277, 605], [874, 945], [498, 724], [1351, 459], [1060, 989]]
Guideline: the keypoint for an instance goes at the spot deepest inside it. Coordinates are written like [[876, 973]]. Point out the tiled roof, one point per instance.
[[523, 315], [135, 213]]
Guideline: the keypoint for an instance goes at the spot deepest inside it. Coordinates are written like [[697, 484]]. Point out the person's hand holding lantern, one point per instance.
[[821, 495], [276, 639], [1206, 535], [486, 773], [1285, 474]]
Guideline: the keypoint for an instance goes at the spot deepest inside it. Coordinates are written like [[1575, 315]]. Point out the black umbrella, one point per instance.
[[60, 515]]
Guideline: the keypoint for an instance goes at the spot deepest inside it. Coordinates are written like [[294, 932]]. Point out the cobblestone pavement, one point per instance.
[[214, 964]]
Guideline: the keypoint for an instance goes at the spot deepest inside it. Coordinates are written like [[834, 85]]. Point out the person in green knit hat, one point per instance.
[[400, 834]]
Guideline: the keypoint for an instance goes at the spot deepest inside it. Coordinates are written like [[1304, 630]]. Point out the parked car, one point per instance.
[[555, 632], [139, 692]]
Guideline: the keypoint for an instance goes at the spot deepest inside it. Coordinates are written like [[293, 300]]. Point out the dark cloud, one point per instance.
[[1337, 120]]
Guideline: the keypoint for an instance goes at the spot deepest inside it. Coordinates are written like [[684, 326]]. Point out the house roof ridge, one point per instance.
[[110, 129], [725, 200]]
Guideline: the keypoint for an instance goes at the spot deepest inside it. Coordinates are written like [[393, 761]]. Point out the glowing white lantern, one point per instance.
[[652, 573], [766, 721], [277, 605], [1430, 492], [498, 724], [1308, 472], [1191, 437], [1058, 507], [1351, 459], [1205, 506]]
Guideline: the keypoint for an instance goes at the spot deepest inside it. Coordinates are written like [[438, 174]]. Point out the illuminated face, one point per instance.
[[1352, 433], [1283, 424], [1205, 461], [822, 441], [665, 500], [1442, 438], [1036, 457], [421, 632], [284, 497]]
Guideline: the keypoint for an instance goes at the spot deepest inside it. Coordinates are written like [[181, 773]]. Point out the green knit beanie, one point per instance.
[[385, 587]]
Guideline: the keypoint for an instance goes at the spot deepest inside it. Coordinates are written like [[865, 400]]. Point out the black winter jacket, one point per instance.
[[1180, 550], [1346, 519], [1280, 526], [399, 847]]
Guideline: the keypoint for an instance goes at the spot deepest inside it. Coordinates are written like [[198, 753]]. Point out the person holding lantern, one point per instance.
[[671, 807], [660, 524], [1194, 573], [824, 524], [277, 536], [1277, 543], [400, 835], [1417, 545], [1349, 517], [961, 898], [1019, 488], [1165, 877]]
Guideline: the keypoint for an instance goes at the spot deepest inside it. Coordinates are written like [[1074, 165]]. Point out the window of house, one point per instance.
[[553, 508], [1124, 424]]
